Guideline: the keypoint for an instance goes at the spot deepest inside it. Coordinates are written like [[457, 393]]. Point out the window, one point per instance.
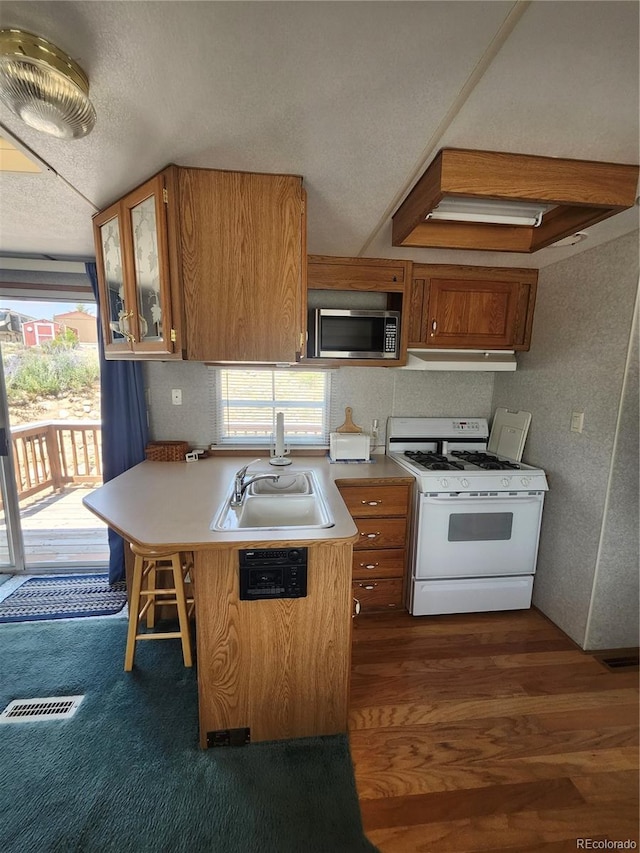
[[247, 402]]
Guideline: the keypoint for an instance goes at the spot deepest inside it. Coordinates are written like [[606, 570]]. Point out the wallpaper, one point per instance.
[[372, 392], [578, 362], [613, 620]]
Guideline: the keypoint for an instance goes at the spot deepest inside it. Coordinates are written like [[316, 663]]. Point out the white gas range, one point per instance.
[[477, 517]]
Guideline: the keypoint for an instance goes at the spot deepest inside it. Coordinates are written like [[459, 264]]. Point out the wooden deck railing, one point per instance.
[[56, 453]]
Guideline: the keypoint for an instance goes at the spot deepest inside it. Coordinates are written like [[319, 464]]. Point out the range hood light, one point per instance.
[[495, 212]]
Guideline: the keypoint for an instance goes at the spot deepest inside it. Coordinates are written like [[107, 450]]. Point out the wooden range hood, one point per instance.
[[578, 194]]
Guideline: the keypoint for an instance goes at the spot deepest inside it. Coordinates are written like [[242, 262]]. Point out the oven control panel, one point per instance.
[[471, 426]]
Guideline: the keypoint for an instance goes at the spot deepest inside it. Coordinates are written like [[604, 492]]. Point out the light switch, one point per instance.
[[176, 396], [577, 421]]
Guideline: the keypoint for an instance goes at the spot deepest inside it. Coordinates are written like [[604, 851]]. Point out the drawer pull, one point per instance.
[[371, 503], [370, 535], [367, 585], [369, 565]]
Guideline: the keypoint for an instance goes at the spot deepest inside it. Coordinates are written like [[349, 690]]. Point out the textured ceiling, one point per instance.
[[355, 96]]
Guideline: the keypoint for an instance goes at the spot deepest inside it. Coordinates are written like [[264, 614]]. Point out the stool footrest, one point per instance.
[[164, 636]]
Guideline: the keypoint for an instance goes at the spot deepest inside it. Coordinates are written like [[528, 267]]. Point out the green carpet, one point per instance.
[[126, 773]]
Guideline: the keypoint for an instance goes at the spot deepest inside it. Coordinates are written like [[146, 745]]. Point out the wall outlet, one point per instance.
[[577, 421], [176, 396]]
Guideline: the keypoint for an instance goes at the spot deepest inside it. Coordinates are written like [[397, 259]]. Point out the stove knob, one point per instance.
[[464, 483], [444, 482], [525, 481], [505, 481]]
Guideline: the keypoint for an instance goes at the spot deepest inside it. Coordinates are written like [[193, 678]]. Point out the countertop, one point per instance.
[[172, 503]]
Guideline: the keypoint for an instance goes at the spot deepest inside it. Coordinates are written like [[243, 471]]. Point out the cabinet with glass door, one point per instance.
[[138, 317], [204, 265]]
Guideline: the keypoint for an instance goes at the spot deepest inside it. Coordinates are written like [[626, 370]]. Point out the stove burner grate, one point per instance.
[[484, 460], [433, 461]]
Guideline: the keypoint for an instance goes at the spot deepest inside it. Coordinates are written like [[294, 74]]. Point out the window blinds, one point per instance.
[[246, 403]]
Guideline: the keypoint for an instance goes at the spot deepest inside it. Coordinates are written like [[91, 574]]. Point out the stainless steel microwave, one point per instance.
[[343, 333]]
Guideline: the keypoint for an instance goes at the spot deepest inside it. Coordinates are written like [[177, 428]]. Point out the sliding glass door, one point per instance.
[[11, 552], [50, 438]]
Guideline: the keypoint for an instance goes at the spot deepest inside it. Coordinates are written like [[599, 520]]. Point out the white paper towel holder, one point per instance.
[[279, 453]]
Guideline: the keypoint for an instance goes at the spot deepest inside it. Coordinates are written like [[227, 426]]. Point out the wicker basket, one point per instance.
[[166, 451]]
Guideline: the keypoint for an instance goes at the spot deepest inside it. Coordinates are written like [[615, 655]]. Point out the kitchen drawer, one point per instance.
[[378, 594], [365, 501], [380, 533], [385, 563]]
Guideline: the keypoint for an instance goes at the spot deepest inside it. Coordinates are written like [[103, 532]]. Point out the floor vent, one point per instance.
[[622, 663], [49, 708]]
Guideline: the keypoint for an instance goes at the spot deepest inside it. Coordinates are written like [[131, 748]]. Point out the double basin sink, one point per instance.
[[276, 502]]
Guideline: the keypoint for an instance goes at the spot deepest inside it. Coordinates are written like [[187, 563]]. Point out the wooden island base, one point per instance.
[[279, 667]]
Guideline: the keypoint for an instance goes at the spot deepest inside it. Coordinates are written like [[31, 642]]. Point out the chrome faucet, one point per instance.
[[240, 485]]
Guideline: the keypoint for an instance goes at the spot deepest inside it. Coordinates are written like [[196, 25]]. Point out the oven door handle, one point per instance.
[[503, 497]]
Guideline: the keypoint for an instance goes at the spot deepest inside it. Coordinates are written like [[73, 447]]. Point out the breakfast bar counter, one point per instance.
[[270, 668], [173, 503]]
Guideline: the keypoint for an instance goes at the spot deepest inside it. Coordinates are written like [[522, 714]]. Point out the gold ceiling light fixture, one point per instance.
[[43, 86], [493, 201]]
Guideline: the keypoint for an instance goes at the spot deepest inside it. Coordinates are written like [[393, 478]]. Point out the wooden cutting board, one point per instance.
[[348, 425]]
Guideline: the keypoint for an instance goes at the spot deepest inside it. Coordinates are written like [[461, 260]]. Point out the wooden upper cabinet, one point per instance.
[[133, 275], [204, 265], [242, 246], [358, 274], [460, 307]]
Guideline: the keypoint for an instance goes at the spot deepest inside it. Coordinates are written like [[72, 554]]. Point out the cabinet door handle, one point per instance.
[[434, 326], [143, 326], [370, 535], [125, 316], [367, 585], [356, 608], [371, 503], [369, 565]]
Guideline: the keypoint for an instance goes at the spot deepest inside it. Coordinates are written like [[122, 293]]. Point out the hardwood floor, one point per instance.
[[490, 732]]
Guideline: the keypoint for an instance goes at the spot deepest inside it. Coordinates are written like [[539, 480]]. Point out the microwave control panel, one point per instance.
[[391, 335]]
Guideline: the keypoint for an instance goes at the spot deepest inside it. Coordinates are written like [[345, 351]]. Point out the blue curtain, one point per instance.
[[124, 424]]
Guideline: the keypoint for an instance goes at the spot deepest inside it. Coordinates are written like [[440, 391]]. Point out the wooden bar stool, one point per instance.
[[145, 595]]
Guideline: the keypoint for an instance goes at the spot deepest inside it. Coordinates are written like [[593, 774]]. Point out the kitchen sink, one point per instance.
[[298, 483], [293, 501]]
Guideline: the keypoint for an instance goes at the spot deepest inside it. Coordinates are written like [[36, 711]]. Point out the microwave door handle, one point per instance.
[[316, 343]]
